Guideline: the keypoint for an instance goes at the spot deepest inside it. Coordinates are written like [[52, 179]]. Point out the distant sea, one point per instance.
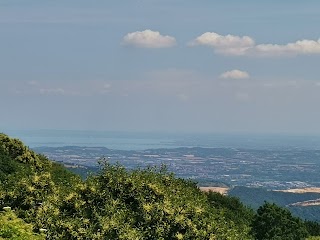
[[142, 141]]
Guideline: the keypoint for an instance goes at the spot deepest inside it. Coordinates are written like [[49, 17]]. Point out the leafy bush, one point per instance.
[[313, 228], [138, 204], [274, 223], [124, 204], [19, 152], [12, 227], [233, 209]]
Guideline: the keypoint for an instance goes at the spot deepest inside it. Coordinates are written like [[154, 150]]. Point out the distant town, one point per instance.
[[271, 169]]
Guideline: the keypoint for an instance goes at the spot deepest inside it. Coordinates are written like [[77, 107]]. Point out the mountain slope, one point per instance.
[[114, 204]]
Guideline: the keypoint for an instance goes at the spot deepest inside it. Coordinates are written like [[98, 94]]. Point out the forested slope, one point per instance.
[[47, 201]]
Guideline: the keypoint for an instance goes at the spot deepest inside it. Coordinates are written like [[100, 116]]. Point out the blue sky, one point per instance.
[[160, 65]]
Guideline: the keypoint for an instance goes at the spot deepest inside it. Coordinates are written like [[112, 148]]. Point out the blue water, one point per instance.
[[141, 141]]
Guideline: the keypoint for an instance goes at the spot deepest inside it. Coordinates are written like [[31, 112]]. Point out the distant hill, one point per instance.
[[255, 197]]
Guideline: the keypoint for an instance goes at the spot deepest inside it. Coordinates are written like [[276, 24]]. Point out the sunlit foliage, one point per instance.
[[117, 203], [12, 227]]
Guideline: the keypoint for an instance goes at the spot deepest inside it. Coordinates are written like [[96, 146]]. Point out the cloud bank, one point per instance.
[[246, 46], [235, 74], [148, 39], [229, 44]]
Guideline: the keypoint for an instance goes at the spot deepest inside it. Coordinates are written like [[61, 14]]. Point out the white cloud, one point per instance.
[[229, 44], [235, 74], [148, 39], [302, 47], [246, 46]]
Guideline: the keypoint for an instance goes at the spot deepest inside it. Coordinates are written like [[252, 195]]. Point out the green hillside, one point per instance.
[[47, 201], [255, 197]]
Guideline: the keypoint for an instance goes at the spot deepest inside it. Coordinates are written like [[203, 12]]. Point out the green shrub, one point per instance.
[[275, 223], [12, 227], [138, 204]]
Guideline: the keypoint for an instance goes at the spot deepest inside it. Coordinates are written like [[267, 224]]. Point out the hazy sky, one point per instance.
[[160, 65]]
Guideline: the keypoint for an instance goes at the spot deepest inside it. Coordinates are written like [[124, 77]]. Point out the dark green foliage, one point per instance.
[[7, 166], [311, 213], [233, 209], [275, 223], [313, 228]]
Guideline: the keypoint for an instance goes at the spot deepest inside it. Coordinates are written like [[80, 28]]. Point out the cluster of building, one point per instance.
[[272, 169]]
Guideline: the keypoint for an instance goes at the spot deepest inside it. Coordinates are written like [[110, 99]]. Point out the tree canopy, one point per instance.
[[117, 203], [274, 223]]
